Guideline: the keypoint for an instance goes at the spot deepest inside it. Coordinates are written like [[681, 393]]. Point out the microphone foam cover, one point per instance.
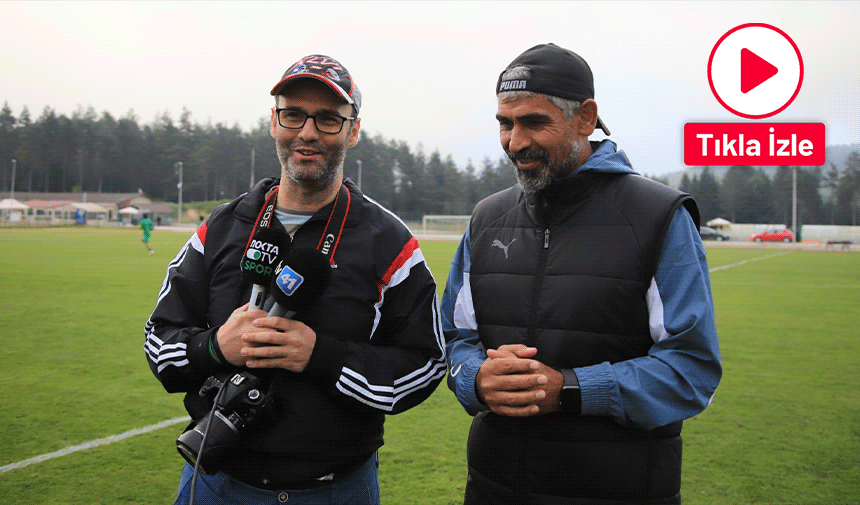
[[266, 249], [302, 280]]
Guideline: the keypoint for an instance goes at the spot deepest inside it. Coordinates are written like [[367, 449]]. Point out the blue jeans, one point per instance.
[[359, 488]]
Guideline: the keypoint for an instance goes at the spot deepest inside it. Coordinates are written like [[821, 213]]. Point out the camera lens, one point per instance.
[[189, 442], [223, 434]]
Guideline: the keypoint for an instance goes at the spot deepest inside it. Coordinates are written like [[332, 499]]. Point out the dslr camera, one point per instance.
[[239, 401]]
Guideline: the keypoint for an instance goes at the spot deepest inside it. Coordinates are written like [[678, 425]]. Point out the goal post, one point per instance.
[[444, 224]]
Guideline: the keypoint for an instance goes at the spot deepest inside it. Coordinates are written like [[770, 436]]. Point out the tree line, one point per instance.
[[100, 153], [749, 195], [103, 154]]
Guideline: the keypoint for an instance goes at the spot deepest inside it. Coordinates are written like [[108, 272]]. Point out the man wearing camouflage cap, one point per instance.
[[368, 347]]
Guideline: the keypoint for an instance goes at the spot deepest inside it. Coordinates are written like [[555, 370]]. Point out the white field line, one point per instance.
[[170, 422], [744, 262], [94, 443]]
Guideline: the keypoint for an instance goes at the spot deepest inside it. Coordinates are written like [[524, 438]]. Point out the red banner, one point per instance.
[[760, 144]]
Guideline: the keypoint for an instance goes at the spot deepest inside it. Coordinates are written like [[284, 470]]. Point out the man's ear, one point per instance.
[[586, 116], [353, 133], [274, 124]]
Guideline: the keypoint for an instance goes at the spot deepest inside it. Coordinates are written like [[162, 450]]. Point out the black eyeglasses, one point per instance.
[[326, 122]]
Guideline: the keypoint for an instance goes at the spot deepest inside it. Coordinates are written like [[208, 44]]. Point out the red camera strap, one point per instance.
[[333, 228]]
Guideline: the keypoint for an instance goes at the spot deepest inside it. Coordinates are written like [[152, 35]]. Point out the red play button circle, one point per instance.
[[755, 70]]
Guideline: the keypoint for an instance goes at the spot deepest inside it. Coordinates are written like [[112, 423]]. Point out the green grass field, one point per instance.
[[784, 427]]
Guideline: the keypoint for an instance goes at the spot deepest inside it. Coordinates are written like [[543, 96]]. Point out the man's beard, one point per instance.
[[532, 181], [310, 176]]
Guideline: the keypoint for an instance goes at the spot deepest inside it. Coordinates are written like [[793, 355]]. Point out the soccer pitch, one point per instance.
[[784, 427]]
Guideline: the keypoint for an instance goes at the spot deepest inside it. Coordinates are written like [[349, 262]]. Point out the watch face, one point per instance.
[[569, 397]]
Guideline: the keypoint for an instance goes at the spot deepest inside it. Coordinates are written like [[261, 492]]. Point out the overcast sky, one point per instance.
[[427, 70]]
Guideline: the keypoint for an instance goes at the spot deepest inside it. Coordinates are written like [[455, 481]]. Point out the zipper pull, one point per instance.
[[546, 238]]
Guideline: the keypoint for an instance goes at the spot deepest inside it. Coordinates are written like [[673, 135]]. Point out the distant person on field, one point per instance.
[[369, 347], [147, 225], [578, 310]]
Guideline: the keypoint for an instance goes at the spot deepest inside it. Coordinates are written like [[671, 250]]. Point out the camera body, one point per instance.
[[239, 401]]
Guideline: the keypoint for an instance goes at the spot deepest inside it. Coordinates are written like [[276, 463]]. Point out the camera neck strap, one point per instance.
[[334, 226], [265, 217]]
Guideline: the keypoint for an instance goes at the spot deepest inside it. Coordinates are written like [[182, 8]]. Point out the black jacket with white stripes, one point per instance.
[[379, 347]]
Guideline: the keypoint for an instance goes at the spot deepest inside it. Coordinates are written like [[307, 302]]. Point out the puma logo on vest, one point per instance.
[[500, 245]]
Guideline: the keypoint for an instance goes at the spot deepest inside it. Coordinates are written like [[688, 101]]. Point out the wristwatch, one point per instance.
[[570, 399]]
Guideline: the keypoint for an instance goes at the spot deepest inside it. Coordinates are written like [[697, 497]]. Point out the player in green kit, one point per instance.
[[147, 225]]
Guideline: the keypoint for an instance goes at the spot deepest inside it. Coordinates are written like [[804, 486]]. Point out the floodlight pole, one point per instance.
[[359, 173], [179, 187], [252, 168], [794, 203], [14, 166]]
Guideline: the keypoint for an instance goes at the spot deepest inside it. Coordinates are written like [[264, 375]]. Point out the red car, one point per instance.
[[783, 235]]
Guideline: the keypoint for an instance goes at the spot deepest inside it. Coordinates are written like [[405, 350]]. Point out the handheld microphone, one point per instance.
[[299, 282], [267, 248]]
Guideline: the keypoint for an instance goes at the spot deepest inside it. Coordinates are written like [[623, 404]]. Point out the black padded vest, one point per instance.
[[570, 278]]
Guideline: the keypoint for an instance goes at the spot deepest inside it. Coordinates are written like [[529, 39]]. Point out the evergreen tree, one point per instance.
[[759, 194], [782, 195], [830, 184], [734, 192], [8, 145], [106, 154], [848, 191], [708, 196], [685, 184], [27, 149], [810, 208]]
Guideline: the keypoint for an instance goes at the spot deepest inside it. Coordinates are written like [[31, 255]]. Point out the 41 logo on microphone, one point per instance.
[[289, 280]]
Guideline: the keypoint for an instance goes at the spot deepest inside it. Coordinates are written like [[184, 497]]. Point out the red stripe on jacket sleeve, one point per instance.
[[401, 259], [201, 232]]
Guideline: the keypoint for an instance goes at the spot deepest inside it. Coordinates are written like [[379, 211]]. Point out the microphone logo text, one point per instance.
[[257, 268], [289, 281], [262, 251]]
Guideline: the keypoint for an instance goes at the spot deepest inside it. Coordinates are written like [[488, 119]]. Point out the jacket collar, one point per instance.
[[249, 207], [605, 159]]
